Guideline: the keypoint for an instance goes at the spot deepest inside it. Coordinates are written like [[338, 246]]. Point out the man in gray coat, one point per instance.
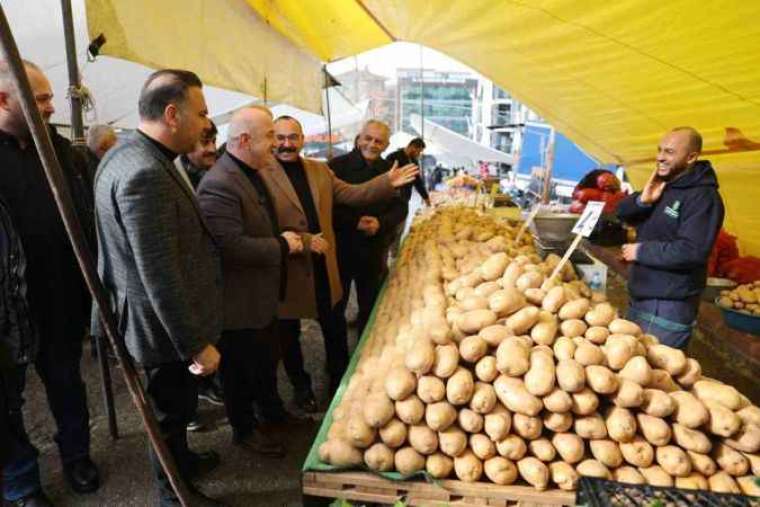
[[241, 213], [159, 262]]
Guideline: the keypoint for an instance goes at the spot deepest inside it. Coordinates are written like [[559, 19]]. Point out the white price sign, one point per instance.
[[586, 223]]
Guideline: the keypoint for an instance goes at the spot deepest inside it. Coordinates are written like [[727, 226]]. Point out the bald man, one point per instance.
[[241, 214], [57, 295], [677, 217]]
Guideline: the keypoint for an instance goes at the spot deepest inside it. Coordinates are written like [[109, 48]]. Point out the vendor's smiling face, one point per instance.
[[373, 140], [675, 154]]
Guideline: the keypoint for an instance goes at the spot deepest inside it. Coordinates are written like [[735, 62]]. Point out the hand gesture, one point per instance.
[[368, 225], [319, 245], [402, 176], [206, 362], [630, 252], [653, 189], [295, 244]]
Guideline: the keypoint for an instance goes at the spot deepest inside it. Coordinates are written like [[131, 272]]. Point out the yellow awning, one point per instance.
[[612, 76]]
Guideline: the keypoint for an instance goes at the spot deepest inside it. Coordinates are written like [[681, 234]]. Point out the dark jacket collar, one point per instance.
[[701, 174]]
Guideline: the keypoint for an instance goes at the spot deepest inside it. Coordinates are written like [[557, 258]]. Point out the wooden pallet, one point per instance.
[[366, 487]]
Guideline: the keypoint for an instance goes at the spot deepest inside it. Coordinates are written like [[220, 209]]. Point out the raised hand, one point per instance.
[[653, 189], [402, 176]]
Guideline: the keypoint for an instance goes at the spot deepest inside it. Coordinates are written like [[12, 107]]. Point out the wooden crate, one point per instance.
[[366, 487]]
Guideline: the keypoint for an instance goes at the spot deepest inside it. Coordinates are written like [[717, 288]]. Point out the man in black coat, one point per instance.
[[364, 234], [58, 299], [677, 217]]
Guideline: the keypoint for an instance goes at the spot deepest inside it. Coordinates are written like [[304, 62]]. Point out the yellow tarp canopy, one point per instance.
[[612, 76]]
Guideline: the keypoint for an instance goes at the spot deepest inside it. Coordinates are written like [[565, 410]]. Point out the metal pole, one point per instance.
[[105, 377], [329, 116], [422, 96], [60, 192], [75, 100], [549, 167]]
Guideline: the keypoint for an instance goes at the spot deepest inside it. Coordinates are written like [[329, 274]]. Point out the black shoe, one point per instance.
[[82, 475], [306, 401], [37, 499], [195, 424], [211, 394], [258, 442], [204, 463]]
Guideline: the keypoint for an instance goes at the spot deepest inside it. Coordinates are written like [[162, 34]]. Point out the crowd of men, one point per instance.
[[211, 259]]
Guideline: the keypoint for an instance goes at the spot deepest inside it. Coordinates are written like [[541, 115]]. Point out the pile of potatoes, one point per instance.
[[744, 298], [481, 368]]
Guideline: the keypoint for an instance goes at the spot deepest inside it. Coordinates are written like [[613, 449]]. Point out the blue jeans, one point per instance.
[[670, 320], [58, 366]]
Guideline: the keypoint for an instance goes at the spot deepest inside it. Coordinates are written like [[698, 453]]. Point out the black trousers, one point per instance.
[[367, 268], [332, 321], [249, 377], [173, 393]]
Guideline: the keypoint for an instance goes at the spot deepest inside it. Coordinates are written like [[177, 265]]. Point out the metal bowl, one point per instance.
[[554, 227]]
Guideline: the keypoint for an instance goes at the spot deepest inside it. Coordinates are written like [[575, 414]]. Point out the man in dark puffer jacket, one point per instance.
[[677, 217]]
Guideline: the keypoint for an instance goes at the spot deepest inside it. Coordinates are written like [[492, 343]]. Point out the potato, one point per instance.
[[571, 376], [452, 441], [482, 446], [379, 458], [495, 334], [628, 475], [597, 335], [506, 302], [637, 370], [378, 410], [554, 299], [619, 351], [446, 360], [430, 389], [535, 296], [656, 476], [673, 460], [539, 379], [485, 289], [601, 315], [558, 401], [520, 322], [500, 470], [750, 415], [655, 430], [723, 483], [408, 461], [511, 274], [485, 369], [694, 480], [569, 446], [585, 402], [748, 485], [439, 466], [574, 309], [691, 440], [606, 452], [564, 475], [590, 427], [534, 472], [564, 348], [493, 267], [497, 425], [638, 452], [663, 381], [400, 383], [730, 460], [667, 358], [468, 467], [483, 399], [558, 422], [629, 395], [393, 434], [720, 393], [545, 331], [512, 447], [754, 462], [689, 412], [440, 415], [473, 302], [460, 387], [621, 425], [423, 439], [513, 394], [512, 357], [410, 410], [472, 348], [723, 422], [359, 433], [420, 358], [593, 468], [658, 403], [526, 426], [339, 452], [702, 463], [529, 280], [473, 321], [573, 327], [747, 439], [601, 379], [588, 354], [470, 421], [542, 449], [622, 326], [691, 373]]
